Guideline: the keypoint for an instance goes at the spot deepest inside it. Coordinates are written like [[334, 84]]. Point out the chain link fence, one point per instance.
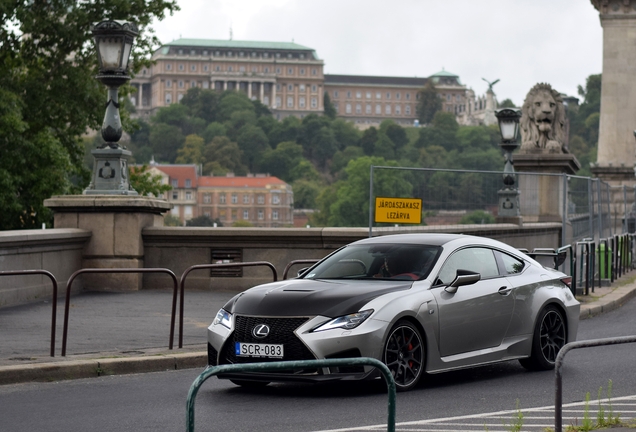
[[587, 208]]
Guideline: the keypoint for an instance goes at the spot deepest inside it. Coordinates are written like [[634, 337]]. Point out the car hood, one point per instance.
[[304, 297]]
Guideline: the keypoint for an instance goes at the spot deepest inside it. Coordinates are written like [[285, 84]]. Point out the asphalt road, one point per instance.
[[156, 401]]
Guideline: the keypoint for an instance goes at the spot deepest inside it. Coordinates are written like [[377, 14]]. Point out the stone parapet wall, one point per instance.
[[58, 251]]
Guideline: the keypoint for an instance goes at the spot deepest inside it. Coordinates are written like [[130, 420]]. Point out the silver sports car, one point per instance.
[[420, 303]]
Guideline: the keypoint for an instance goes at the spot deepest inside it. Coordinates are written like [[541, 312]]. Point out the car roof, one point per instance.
[[433, 239]]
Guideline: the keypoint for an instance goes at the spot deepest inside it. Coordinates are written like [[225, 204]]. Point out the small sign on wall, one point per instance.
[[398, 210]]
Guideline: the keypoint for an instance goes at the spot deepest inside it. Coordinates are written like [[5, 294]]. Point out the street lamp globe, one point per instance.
[[113, 41], [508, 119]]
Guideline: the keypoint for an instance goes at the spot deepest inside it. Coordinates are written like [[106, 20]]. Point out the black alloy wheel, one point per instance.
[[404, 355], [550, 335]]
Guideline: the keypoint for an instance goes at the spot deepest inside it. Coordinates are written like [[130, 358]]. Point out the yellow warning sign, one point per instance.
[[398, 210]]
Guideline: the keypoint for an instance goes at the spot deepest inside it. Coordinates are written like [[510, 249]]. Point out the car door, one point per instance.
[[476, 316]]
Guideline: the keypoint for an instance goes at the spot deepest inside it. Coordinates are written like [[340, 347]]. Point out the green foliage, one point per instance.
[[171, 220], [200, 221], [280, 161], [429, 104], [221, 156], [330, 110], [242, 224], [478, 217], [49, 97], [584, 124], [305, 193], [191, 152], [145, 183], [506, 103]]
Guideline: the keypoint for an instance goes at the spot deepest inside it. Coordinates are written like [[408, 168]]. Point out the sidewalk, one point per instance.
[[128, 332]]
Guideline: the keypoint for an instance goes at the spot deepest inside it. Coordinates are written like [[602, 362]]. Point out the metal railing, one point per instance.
[[211, 266], [53, 300], [295, 262], [558, 380], [286, 365], [117, 270]]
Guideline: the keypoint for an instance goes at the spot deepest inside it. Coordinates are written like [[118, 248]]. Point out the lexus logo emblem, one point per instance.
[[260, 331]]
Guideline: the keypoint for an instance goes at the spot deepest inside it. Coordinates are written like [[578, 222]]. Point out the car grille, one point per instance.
[[281, 332], [212, 355]]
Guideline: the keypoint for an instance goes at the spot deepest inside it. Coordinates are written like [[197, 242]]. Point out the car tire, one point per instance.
[[405, 354], [550, 335], [249, 384]]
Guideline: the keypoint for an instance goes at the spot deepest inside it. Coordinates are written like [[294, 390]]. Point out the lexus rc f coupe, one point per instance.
[[420, 303]]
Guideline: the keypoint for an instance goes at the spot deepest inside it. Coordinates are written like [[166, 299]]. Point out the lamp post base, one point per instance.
[[110, 173], [508, 203]]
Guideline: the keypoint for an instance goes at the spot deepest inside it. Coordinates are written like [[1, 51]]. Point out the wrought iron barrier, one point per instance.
[[118, 270], [210, 266], [53, 301], [283, 365], [558, 381]]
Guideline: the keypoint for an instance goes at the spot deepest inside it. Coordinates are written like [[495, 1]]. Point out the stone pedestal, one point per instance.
[[116, 223], [542, 194], [110, 175]]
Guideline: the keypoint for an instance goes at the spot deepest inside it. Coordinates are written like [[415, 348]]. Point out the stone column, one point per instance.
[[141, 95], [249, 89], [274, 95], [116, 224], [616, 144], [261, 91]]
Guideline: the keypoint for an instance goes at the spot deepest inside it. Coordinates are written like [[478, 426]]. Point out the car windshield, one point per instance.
[[377, 261]]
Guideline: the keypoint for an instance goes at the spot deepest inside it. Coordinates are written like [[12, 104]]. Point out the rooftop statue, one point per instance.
[[543, 121]]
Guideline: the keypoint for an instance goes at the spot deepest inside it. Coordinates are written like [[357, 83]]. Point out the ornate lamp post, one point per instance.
[[114, 41], [509, 128]]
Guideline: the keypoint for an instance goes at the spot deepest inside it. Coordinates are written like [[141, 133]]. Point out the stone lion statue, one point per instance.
[[543, 121]]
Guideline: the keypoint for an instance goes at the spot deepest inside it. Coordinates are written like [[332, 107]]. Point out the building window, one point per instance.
[[265, 55], [168, 98], [358, 109], [408, 96], [348, 95], [234, 198], [335, 94], [266, 70], [193, 84], [207, 198], [387, 109], [368, 95], [260, 199], [246, 199], [378, 109], [179, 97], [181, 67], [278, 70], [188, 183], [242, 69], [230, 69], [335, 105], [368, 109], [187, 214], [398, 110], [193, 68], [217, 68], [275, 214], [407, 110], [266, 100], [378, 95], [181, 84], [314, 102], [206, 214], [275, 199], [348, 108], [290, 87], [398, 95], [358, 95], [448, 97], [206, 84], [314, 71], [222, 198], [290, 102], [175, 195], [234, 214], [278, 102], [301, 102], [458, 98], [188, 195], [175, 183], [168, 66], [302, 71], [301, 87], [260, 215], [246, 214], [290, 71], [388, 95], [169, 83]]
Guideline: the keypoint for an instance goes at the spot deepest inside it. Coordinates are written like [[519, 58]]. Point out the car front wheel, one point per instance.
[[404, 355], [550, 335]]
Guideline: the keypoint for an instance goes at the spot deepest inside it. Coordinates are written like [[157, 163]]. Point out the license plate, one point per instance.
[[243, 349]]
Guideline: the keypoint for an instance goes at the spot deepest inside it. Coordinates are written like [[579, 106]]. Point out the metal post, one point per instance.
[[590, 206], [564, 218], [624, 209], [371, 202], [600, 208]]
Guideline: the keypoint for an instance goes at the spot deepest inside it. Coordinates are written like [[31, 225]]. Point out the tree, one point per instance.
[[429, 104], [367, 142], [330, 110], [478, 217], [165, 140], [49, 96], [253, 142], [280, 161], [305, 194], [506, 103], [202, 103], [221, 156], [200, 221], [191, 152], [145, 183]]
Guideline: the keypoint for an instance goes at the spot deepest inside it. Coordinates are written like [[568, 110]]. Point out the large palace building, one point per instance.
[[289, 79]]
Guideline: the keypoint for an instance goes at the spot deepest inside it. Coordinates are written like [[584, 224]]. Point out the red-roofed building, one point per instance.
[[264, 201], [183, 196]]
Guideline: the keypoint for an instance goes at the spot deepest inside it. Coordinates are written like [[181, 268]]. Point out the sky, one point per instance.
[[519, 42]]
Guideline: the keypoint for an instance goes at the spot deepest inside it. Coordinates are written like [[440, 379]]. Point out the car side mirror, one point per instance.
[[463, 277], [302, 271]]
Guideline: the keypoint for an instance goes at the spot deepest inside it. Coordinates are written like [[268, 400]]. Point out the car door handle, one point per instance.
[[505, 290]]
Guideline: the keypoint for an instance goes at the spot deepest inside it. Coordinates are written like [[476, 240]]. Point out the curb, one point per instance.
[[609, 302], [74, 369]]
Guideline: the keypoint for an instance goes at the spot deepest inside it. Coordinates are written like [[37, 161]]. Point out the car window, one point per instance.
[[480, 260], [378, 261], [512, 265]]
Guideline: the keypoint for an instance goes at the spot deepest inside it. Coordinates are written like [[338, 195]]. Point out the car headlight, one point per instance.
[[346, 322], [224, 318]]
